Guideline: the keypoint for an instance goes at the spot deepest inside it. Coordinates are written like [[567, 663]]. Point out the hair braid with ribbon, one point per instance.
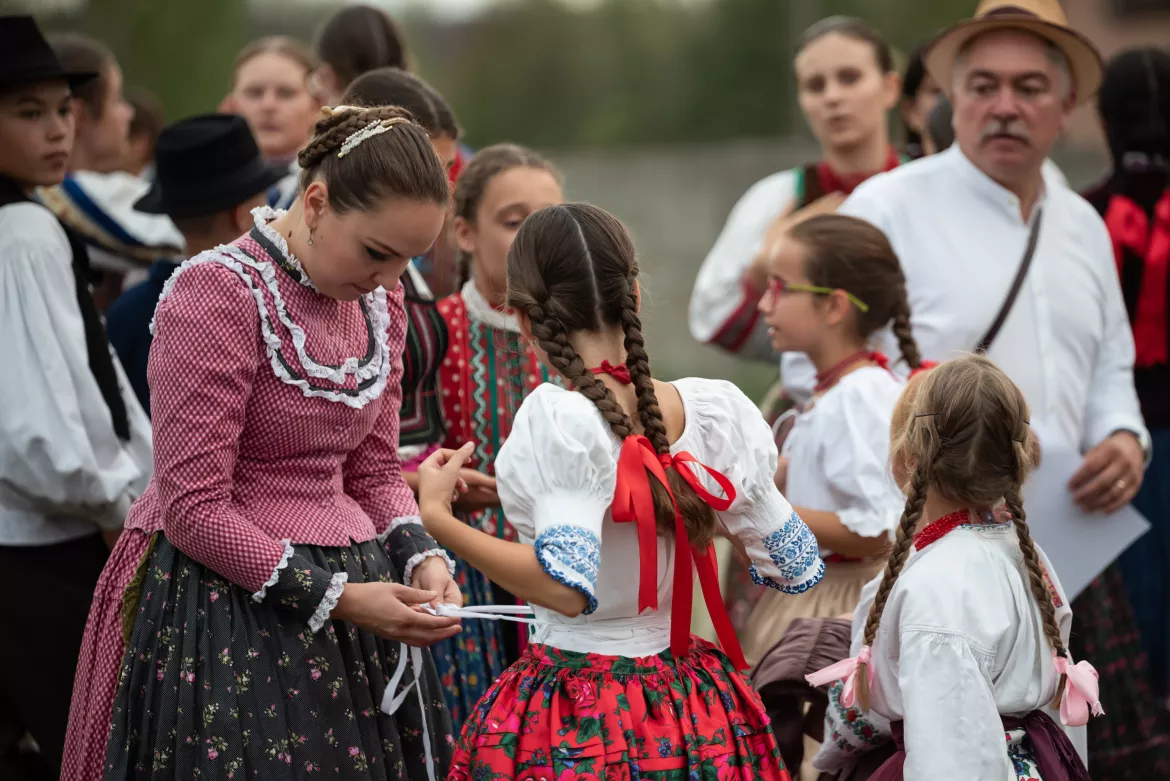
[[1037, 581], [699, 517], [552, 337], [915, 499]]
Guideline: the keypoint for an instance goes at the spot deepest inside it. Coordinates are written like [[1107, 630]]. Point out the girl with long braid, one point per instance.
[[834, 281], [614, 488], [964, 640]]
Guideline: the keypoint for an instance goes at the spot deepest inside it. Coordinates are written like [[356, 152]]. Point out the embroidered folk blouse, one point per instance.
[[276, 420], [557, 475]]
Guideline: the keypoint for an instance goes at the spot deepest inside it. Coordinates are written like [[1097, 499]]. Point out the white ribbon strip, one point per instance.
[[391, 702]]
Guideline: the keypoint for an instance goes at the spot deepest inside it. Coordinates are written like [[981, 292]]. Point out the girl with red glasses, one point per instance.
[[833, 282]]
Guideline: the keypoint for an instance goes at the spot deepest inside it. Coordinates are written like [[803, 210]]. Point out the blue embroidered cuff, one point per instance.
[[571, 555], [794, 558]]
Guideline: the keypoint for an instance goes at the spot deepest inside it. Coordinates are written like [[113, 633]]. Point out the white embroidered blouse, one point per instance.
[[961, 642], [557, 474]]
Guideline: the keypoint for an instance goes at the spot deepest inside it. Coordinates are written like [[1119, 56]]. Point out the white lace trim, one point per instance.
[[275, 576], [228, 257], [479, 309], [380, 322], [402, 520], [419, 558], [261, 216], [328, 602]]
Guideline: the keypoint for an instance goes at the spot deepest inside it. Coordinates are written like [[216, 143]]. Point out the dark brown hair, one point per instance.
[[572, 268], [850, 27], [360, 38], [400, 162], [395, 87], [484, 166], [850, 254], [289, 48], [79, 52], [966, 437]]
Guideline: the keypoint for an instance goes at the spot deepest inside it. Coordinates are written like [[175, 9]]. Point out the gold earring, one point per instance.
[[310, 237]]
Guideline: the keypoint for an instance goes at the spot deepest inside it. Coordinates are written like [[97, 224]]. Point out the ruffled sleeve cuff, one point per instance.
[[407, 544], [571, 555], [301, 586]]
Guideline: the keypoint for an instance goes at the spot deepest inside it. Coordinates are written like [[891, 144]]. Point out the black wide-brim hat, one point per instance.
[[207, 164], [26, 57]]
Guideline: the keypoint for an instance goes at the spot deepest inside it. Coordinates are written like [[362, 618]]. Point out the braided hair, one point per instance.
[[966, 437], [573, 269], [398, 163], [847, 253]]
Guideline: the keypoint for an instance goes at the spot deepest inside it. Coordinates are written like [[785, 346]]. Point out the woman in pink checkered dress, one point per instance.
[[252, 616]]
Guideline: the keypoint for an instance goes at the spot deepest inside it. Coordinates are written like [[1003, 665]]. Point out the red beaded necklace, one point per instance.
[[940, 527]]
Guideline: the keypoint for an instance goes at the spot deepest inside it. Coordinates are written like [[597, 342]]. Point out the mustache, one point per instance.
[[997, 128]]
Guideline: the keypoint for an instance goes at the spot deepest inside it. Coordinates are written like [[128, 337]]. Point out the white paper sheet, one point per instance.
[[1079, 544]]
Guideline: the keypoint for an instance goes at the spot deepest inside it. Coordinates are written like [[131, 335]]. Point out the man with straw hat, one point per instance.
[[999, 257]]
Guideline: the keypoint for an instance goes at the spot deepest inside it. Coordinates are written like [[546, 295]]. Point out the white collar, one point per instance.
[[479, 309], [988, 188]]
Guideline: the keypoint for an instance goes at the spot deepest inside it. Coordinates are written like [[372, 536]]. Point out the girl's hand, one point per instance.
[[480, 491], [440, 480], [432, 575]]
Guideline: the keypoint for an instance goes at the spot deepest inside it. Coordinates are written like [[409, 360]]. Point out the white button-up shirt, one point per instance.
[[960, 238]]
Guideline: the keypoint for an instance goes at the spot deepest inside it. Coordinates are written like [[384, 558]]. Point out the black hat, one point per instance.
[[26, 57], [205, 165]]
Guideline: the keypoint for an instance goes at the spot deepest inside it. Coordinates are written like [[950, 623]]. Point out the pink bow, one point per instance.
[[1081, 695], [846, 670]]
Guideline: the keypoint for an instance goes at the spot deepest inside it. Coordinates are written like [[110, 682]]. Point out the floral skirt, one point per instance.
[[217, 686], [561, 715]]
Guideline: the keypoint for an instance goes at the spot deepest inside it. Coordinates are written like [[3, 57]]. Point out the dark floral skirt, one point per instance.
[[217, 686], [563, 716]]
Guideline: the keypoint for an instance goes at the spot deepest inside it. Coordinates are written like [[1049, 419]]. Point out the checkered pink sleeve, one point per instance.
[[202, 365], [373, 472]]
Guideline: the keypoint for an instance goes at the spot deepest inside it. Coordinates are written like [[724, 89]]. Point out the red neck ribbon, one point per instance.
[[1130, 229], [833, 182], [941, 527], [634, 503], [831, 376], [620, 372]]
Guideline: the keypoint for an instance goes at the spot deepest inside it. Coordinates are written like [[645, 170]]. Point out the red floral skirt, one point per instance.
[[560, 715]]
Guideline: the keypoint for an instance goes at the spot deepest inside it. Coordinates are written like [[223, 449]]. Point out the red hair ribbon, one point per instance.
[[924, 366], [619, 372], [634, 503]]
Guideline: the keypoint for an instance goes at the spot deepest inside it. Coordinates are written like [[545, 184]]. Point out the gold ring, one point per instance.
[[1120, 485]]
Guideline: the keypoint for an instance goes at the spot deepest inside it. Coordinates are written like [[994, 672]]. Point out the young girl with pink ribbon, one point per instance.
[[961, 646]]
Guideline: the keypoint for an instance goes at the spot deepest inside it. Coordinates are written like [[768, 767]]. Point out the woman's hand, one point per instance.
[[391, 611], [432, 575], [440, 480]]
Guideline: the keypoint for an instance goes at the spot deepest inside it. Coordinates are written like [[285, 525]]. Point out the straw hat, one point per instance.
[[1044, 18]]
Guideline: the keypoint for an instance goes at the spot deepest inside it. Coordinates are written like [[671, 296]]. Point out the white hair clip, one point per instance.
[[369, 131]]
